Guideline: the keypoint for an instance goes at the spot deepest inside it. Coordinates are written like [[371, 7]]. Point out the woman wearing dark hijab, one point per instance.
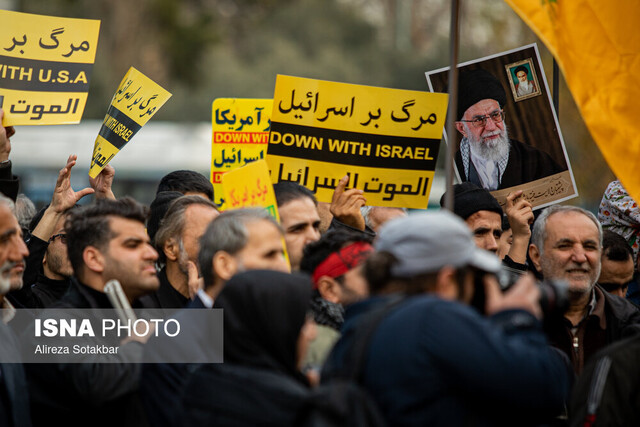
[[265, 332]]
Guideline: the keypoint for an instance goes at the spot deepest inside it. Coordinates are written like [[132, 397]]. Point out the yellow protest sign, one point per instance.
[[598, 50], [386, 140], [240, 136], [134, 103], [250, 186], [45, 66]]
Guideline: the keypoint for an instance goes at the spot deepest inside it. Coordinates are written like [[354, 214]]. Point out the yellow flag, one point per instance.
[[597, 46]]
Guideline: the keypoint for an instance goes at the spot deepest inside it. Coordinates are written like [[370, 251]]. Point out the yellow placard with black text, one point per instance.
[[250, 186], [240, 136], [134, 103], [386, 140], [45, 67]]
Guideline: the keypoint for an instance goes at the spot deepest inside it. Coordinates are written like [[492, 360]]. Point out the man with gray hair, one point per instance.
[[237, 240], [177, 244], [12, 250], [566, 244], [14, 405]]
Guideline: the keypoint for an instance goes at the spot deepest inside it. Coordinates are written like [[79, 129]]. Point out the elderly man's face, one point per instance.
[[490, 132], [571, 252], [522, 76], [12, 251]]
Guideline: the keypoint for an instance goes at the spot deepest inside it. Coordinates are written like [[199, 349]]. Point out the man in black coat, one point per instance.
[[566, 244], [14, 401], [235, 241], [177, 244], [106, 241], [48, 272]]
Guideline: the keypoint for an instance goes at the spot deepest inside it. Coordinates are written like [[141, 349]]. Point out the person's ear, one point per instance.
[[534, 254], [224, 265], [447, 286], [93, 259], [171, 249], [461, 129], [329, 289]]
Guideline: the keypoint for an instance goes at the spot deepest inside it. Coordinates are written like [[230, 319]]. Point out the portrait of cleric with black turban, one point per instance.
[[487, 156]]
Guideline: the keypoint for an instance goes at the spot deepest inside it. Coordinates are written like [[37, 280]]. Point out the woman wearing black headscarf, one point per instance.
[[259, 383]]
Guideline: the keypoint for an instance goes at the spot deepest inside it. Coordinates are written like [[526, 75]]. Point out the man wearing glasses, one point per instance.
[[48, 270], [487, 156]]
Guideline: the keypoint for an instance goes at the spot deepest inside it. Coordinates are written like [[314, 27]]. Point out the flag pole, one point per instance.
[[453, 102], [556, 88]]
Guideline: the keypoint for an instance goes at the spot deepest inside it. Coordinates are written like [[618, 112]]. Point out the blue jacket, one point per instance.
[[435, 362]]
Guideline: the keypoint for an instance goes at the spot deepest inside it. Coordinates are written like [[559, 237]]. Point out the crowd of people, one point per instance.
[[338, 314]]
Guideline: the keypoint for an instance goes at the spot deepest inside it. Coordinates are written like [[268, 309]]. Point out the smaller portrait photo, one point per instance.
[[523, 80]]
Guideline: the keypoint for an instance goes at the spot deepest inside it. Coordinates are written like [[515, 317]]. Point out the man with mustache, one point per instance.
[[14, 401], [566, 244], [487, 156]]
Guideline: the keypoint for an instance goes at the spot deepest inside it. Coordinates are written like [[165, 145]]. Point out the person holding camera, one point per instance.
[[433, 358], [566, 244]]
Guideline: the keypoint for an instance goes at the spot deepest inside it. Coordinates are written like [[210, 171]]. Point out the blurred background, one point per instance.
[[200, 50]]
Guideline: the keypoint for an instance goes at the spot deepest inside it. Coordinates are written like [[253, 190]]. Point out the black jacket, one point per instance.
[[14, 399], [622, 320], [232, 395], [38, 291], [165, 297], [97, 394], [9, 183], [608, 393]]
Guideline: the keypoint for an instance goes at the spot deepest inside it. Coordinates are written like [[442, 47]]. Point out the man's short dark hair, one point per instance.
[[89, 225], [186, 181], [287, 191], [615, 247], [330, 242]]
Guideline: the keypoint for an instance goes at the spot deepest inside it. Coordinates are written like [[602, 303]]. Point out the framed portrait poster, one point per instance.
[[507, 133]]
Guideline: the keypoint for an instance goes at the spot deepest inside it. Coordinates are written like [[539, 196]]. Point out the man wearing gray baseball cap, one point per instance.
[[431, 358]]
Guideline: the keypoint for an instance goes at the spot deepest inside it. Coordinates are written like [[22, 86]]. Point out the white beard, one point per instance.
[[493, 150], [524, 88], [5, 281]]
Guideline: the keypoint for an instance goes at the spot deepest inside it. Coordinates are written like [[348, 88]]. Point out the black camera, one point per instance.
[[554, 298]]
